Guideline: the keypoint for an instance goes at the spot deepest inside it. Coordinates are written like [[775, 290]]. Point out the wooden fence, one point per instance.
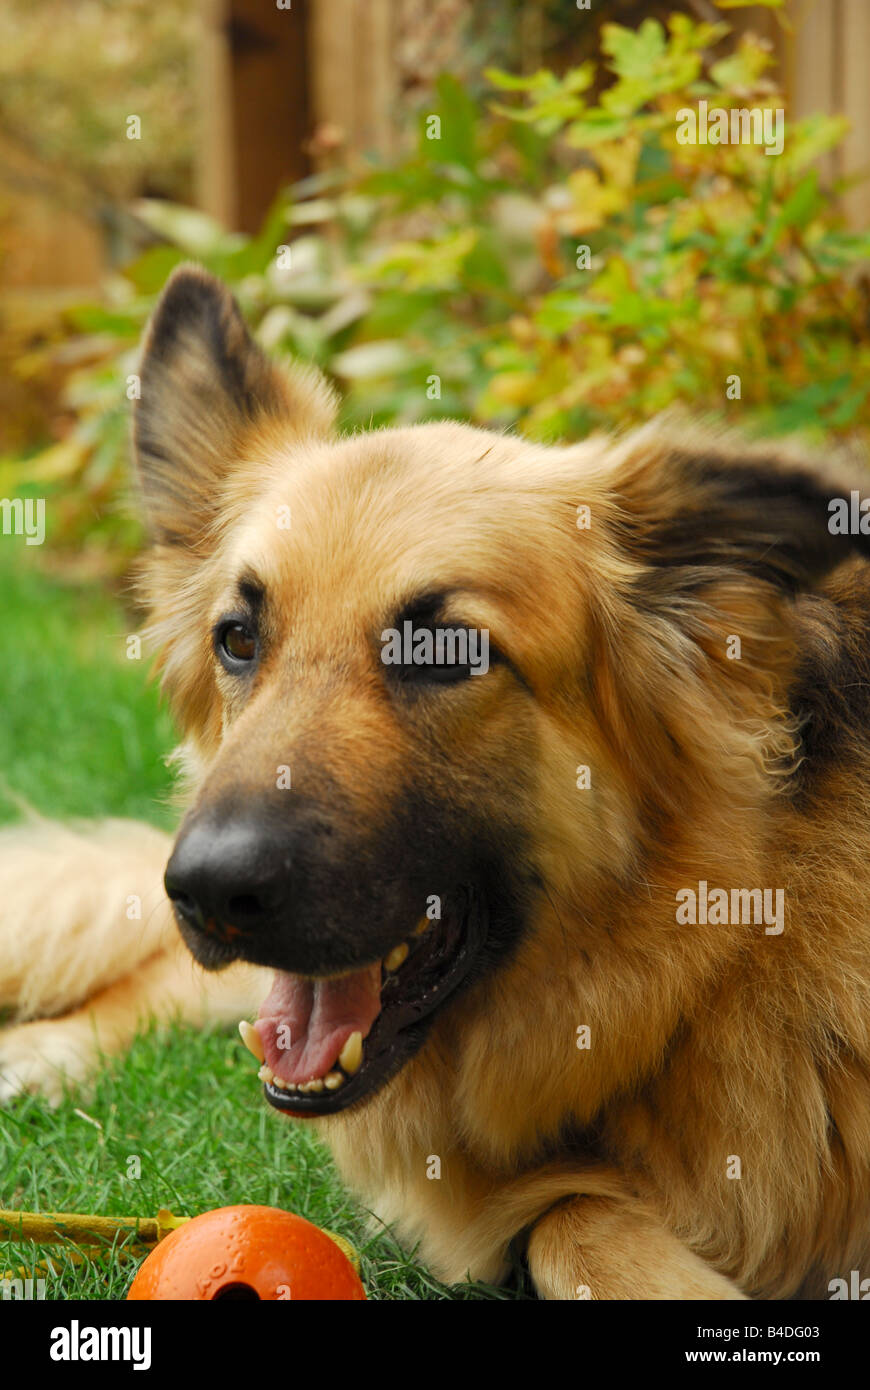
[[271, 77]]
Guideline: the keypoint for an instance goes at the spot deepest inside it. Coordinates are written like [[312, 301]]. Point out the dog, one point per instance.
[[567, 958]]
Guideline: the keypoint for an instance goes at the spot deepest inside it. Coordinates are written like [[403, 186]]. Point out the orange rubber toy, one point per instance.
[[247, 1252]]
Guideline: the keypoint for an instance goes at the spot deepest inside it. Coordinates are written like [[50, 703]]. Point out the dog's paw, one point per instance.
[[42, 1058]]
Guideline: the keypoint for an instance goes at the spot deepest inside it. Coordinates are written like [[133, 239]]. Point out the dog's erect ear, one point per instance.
[[695, 647], [696, 518], [204, 385]]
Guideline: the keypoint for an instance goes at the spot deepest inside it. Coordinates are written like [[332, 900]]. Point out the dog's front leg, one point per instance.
[[605, 1248], [42, 1055]]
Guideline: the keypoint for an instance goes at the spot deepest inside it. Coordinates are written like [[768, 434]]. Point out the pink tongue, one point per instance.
[[304, 1024]]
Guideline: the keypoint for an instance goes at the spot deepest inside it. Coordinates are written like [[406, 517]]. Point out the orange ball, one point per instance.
[[247, 1252]]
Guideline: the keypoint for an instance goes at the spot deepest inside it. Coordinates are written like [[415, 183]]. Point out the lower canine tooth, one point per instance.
[[397, 957], [333, 1080], [265, 1074], [252, 1040], [351, 1054]]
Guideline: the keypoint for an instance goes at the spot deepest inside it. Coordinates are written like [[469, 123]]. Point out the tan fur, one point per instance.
[[88, 878], [608, 1164]]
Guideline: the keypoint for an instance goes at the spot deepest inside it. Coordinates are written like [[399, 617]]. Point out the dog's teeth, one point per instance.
[[397, 956], [266, 1074], [351, 1054], [333, 1080], [252, 1040], [316, 1085], [277, 1081]]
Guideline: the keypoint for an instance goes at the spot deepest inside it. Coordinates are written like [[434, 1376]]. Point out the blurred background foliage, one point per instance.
[[545, 257], [68, 81]]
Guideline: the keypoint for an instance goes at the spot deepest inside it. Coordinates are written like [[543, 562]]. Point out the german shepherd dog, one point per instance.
[[571, 946]]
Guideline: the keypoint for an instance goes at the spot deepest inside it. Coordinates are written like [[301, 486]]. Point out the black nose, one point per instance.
[[225, 878]]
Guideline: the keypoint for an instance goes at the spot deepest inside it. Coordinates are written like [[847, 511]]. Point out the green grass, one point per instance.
[[188, 1106], [82, 735], [82, 732]]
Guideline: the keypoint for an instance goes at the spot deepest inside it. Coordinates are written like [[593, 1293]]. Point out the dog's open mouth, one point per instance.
[[327, 1043]]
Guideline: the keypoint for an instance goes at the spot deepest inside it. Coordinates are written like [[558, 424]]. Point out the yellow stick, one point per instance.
[[57, 1227]]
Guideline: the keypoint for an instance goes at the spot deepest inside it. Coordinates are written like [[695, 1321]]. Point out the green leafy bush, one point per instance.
[[551, 260]]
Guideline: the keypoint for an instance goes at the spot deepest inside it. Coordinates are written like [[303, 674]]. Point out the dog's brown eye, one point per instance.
[[236, 643]]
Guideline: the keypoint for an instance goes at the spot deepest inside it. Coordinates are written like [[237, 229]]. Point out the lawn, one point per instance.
[[82, 734]]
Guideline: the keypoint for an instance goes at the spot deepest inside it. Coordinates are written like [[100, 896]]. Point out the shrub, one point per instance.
[[551, 260]]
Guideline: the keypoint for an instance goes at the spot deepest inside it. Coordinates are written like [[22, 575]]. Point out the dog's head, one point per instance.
[[436, 683]]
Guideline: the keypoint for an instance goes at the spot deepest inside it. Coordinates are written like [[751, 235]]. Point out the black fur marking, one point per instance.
[[831, 689], [252, 592], [762, 518], [188, 301], [194, 306]]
